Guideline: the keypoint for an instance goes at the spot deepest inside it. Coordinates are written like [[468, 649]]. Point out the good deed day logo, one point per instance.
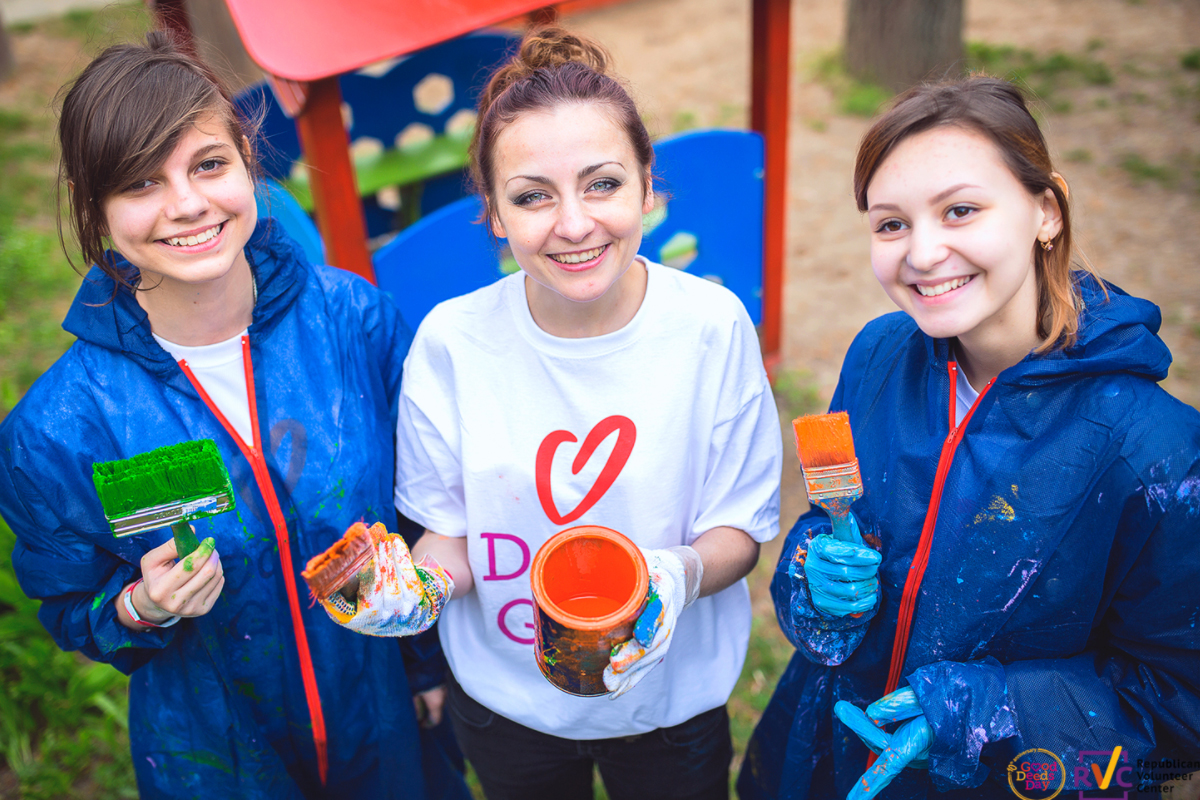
[[1036, 774]]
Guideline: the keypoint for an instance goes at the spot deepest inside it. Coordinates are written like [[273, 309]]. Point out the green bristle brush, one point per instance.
[[172, 486]]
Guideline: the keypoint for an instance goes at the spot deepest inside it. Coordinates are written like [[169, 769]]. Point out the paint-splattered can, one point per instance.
[[589, 586]]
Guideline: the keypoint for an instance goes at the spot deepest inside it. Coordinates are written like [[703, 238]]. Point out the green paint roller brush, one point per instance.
[[169, 486]]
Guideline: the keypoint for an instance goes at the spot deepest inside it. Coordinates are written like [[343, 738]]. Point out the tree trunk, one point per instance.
[[898, 43], [7, 62]]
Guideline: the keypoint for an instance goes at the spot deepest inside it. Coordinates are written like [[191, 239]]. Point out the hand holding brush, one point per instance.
[[170, 589], [840, 569]]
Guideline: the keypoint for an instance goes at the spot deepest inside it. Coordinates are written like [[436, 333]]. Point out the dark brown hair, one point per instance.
[[121, 119], [996, 109], [551, 68]]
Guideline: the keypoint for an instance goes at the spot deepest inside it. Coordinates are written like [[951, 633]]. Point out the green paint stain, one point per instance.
[[98, 601], [201, 555], [247, 689], [207, 759]]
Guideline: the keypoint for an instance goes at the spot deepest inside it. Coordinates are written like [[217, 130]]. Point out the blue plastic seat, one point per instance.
[[443, 255], [711, 225]]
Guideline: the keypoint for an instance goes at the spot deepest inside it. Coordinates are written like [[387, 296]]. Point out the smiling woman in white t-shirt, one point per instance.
[[511, 399]]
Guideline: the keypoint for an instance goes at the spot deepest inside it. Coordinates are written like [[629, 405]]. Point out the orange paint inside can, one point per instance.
[[589, 586]]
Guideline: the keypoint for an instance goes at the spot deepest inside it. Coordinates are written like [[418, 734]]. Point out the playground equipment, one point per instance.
[[306, 44]]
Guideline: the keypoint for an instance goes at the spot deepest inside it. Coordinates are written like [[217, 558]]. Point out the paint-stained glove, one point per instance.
[[841, 575], [827, 582], [908, 746], [675, 575], [395, 596]]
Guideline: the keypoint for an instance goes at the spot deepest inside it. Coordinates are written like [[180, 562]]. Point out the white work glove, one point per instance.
[[395, 596], [675, 575]]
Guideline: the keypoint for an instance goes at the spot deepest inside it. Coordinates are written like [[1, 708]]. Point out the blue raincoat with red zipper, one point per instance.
[[264, 694], [1060, 604]]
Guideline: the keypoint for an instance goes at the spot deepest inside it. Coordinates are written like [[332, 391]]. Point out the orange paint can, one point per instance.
[[589, 585]]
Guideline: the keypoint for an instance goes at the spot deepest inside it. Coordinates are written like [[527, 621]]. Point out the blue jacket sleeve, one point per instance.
[[76, 579], [822, 638]]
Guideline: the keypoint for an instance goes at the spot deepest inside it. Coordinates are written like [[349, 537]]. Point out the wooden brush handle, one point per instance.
[[185, 539]]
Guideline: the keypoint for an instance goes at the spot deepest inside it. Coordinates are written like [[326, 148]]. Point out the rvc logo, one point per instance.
[[1106, 771]]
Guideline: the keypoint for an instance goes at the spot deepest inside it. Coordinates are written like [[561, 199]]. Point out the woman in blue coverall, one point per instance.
[[1027, 577], [203, 321]]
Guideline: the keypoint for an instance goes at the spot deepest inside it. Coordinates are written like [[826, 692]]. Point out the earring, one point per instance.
[[1047, 246]]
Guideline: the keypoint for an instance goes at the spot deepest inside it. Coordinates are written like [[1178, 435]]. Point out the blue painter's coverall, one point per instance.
[[218, 705], [1061, 602]]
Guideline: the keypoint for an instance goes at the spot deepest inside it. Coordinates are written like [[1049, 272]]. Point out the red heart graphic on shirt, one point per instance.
[[627, 434]]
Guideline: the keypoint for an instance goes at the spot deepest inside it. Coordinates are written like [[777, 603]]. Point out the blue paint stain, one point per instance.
[[647, 623], [960, 580], [1091, 713]]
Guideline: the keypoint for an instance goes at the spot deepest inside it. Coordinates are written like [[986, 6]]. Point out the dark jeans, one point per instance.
[[689, 760]]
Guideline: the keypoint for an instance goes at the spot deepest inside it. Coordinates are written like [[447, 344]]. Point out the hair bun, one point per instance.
[[552, 47], [545, 48], [161, 41]]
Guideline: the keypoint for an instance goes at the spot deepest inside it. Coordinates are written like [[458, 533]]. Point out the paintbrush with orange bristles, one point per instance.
[[826, 451]]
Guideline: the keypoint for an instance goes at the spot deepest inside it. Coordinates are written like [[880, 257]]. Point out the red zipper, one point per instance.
[[916, 571], [258, 464]]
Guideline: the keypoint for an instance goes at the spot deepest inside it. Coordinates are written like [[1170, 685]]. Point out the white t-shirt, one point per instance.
[[694, 443], [964, 397], [221, 370]]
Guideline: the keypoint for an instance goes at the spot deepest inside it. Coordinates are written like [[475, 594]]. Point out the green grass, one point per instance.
[[796, 393], [1044, 75], [63, 728], [1141, 170], [852, 96]]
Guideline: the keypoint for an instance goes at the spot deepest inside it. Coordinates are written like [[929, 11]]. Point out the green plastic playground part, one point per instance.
[[395, 167]]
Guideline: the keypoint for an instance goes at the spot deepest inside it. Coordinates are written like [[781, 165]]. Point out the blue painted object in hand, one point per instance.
[[908, 746], [841, 574]]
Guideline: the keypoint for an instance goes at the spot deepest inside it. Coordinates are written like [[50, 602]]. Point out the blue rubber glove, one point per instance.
[[842, 576], [908, 746]]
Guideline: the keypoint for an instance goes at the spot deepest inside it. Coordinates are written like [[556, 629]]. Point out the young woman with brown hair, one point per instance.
[[198, 320], [592, 387], [1031, 492]]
